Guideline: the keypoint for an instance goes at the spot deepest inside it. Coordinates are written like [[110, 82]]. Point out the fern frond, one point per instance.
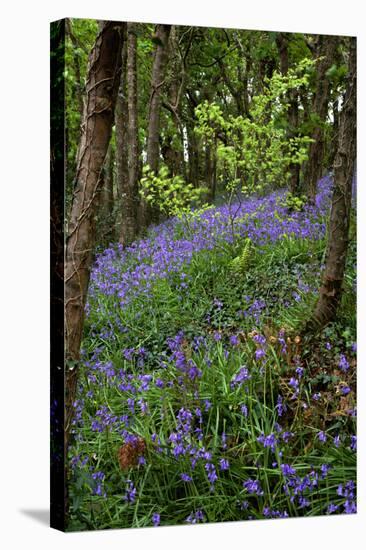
[[239, 264]]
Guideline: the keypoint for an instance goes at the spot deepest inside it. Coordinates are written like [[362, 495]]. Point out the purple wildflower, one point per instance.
[[253, 486], [234, 340], [343, 363], [159, 383], [281, 408], [185, 477], [268, 441], [195, 517], [130, 495], [244, 410], [287, 470], [224, 464], [242, 376]]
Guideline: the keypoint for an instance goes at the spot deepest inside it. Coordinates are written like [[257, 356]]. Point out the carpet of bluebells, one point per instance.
[[198, 400]]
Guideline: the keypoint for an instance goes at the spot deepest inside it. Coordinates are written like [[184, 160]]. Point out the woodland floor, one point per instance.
[[198, 400]]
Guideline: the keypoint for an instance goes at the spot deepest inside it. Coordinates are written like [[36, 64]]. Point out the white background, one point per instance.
[[24, 271]]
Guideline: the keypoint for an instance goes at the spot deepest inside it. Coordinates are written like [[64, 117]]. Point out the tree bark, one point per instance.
[[105, 226], [282, 41], [127, 121], [344, 166], [101, 91], [121, 123], [133, 135], [108, 199], [193, 157], [174, 155], [335, 129], [326, 49], [210, 171], [157, 81]]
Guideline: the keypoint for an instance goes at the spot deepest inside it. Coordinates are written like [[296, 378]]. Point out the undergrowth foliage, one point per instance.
[[198, 401]]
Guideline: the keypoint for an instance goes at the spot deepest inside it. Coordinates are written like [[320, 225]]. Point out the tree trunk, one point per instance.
[[210, 172], [174, 155], [108, 198], [194, 148], [326, 50], [133, 131], [214, 173], [128, 139], [282, 41], [335, 129], [121, 122], [293, 117], [101, 91], [157, 81], [193, 158], [344, 166], [105, 220]]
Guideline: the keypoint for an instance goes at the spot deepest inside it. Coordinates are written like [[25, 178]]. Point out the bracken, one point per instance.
[[129, 453]]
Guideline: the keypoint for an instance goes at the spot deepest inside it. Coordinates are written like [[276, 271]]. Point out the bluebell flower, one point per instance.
[[280, 406], [195, 517], [253, 486], [259, 353], [211, 473], [324, 468], [186, 477], [244, 410], [350, 507], [299, 371], [130, 495], [343, 363], [234, 340], [208, 404], [224, 464], [242, 376], [268, 441], [287, 470]]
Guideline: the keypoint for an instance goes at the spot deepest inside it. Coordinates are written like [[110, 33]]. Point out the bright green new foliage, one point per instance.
[[171, 194], [255, 152]]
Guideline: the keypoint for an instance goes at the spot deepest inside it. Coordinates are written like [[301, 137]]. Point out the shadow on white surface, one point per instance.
[[42, 516]]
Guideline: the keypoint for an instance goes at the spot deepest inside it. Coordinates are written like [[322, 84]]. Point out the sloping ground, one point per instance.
[[261, 219], [197, 401]]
